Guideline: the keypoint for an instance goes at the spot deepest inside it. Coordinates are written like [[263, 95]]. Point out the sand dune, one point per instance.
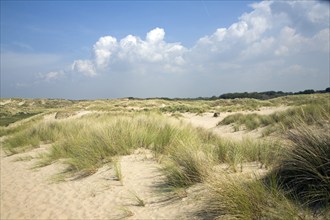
[[31, 194], [209, 122]]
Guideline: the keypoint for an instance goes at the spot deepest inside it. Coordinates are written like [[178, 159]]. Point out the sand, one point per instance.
[[28, 193], [32, 194], [207, 121]]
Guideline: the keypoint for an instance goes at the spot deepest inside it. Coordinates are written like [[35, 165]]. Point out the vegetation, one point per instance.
[[238, 198], [309, 114], [304, 169], [5, 120], [296, 183], [297, 188], [93, 140], [117, 168], [268, 94]]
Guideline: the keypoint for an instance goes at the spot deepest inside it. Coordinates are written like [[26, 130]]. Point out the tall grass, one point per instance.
[[88, 142], [236, 198], [21, 125], [304, 170], [33, 135], [236, 153], [188, 153], [187, 165], [308, 114], [300, 179]]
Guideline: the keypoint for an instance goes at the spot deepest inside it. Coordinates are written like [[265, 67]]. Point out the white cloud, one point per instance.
[[86, 67], [274, 39], [103, 49], [133, 51], [319, 12], [261, 47], [51, 76], [281, 51], [268, 32], [155, 36]]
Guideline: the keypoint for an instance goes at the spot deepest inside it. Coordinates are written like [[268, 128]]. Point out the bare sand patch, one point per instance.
[[30, 194]]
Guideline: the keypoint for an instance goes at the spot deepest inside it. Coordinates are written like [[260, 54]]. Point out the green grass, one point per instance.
[[236, 198], [117, 169], [291, 118], [139, 201], [298, 175], [21, 125], [33, 135], [304, 169], [88, 142], [182, 108], [5, 120], [298, 187], [187, 165], [297, 183]]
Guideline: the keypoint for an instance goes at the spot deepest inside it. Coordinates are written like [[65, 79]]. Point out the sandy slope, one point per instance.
[[209, 122], [29, 194]]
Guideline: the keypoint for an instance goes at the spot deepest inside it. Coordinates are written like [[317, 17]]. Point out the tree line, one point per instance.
[[268, 94], [251, 95]]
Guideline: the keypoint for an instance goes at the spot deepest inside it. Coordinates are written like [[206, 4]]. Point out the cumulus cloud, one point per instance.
[[155, 36], [132, 51], [275, 38], [103, 49], [86, 67]]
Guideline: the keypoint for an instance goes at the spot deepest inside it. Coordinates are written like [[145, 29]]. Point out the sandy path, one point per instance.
[[29, 194]]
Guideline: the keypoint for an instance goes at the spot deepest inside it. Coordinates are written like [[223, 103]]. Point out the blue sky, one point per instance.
[[110, 49]]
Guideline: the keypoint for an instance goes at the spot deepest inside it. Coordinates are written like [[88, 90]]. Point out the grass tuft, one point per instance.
[[139, 201], [304, 170], [235, 198], [291, 118], [117, 168]]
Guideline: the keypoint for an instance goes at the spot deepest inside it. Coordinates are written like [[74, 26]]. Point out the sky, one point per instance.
[[114, 49]]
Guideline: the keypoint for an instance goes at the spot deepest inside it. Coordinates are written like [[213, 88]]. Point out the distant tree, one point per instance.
[[307, 91]]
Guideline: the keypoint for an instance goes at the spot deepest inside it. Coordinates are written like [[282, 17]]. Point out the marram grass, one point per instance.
[[304, 169], [311, 114], [88, 142], [237, 198]]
